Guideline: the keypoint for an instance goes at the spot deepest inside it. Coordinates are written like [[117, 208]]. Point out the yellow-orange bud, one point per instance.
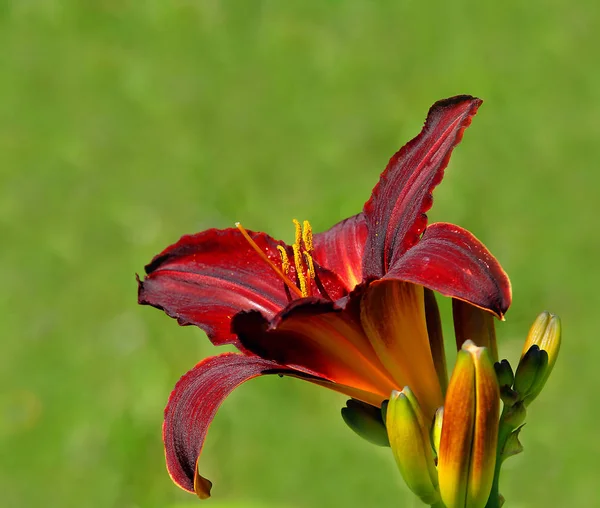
[[467, 452]]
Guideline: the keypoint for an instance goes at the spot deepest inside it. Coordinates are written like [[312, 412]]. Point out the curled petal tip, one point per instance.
[[202, 486]]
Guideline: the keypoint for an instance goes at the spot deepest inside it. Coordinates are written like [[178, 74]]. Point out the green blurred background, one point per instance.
[[125, 124]]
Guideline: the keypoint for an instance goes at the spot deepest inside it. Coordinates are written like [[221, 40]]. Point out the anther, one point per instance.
[[298, 236], [285, 260], [307, 236], [309, 264], [300, 270]]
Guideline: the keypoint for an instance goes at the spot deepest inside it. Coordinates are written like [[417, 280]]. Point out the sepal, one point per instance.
[[513, 445]]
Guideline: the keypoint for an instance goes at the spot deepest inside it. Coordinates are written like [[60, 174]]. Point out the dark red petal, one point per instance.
[[192, 407], [207, 278], [451, 261], [315, 336], [395, 214], [340, 249]]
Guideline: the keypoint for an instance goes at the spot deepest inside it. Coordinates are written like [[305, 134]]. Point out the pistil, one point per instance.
[[265, 258]]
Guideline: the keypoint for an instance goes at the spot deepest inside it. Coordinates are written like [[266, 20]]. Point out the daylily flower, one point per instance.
[[350, 309]]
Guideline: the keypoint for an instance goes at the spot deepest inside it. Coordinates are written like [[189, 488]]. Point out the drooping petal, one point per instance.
[[340, 249], [317, 337], [451, 261], [207, 278], [192, 407], [395, 214], [393, 316]]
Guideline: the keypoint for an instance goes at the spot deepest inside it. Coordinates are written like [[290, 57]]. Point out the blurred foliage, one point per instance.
[[125, 124]]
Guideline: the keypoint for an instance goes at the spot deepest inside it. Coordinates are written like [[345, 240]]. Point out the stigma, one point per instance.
[[298, 272]]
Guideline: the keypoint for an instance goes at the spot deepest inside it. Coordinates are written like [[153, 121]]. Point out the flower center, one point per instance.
[[304, 267]]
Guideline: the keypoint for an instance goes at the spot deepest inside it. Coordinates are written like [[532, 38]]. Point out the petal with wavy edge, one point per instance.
[[395, 214], [207, 278], [340, 249], [451, 261]]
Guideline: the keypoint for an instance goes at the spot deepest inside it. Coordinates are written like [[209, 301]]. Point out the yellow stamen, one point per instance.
[[311, 269], [298, 236], [309, 264], [300, 270], [285, 260], [307, 236], [264, 257]]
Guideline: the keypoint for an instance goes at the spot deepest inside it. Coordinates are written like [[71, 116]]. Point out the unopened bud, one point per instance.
[[409, 438], [366, 421], [532, 365], [504, 373], [467, 453], [546, 333]]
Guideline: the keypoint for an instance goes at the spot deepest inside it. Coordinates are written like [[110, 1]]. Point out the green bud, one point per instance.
[[532, 366], [546, 333], [504, 373], [366, 421], [411, 445]]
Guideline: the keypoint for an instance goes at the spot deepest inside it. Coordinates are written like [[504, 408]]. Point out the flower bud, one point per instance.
[[504, 373], [533, 364], [366, 421], [546, 333], [467, 454], [409, 438]]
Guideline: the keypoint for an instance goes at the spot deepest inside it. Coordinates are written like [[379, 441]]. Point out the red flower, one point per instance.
[[348, 309]]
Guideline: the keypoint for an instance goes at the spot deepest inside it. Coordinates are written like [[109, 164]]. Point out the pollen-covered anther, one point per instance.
[[302, 248], [303, 261], [307, 236], [310, 265], [298, 235], [300, 270], [285, 260]]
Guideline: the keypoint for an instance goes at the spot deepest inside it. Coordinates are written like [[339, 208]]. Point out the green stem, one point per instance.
[[504, 433]]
